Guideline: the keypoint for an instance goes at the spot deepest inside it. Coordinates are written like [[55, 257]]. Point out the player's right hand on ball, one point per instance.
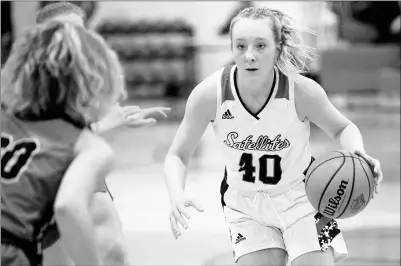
[[376, 169], [180, 212]]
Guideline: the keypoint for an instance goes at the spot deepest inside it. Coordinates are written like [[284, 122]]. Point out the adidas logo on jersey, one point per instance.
[[239, 238], [227, 115]]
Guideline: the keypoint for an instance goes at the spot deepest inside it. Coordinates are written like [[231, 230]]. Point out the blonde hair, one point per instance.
[[53, 10], [58, 69], [293, 54]]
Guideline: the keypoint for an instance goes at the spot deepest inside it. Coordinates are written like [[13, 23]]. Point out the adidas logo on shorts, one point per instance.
[[239, 238], [227, 115]]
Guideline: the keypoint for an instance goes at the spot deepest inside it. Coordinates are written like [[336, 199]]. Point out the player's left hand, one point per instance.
[[376, 168]]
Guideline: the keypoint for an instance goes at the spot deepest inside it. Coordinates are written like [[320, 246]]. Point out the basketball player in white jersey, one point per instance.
[[108, 228], [260, 110]]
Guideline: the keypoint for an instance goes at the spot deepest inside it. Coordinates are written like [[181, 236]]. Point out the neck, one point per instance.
[[255, 86]]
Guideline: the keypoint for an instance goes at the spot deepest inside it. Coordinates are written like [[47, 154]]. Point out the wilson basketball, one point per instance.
[[339, 184]]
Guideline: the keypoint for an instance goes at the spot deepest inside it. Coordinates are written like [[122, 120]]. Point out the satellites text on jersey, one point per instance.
[[262, 143]]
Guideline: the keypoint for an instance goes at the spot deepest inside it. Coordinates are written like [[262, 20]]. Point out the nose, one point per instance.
[[250, 55]]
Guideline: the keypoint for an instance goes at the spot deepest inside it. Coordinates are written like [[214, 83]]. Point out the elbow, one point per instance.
[[63, 211], [174, 157], [171, 154], [66, 209], [337, 135]]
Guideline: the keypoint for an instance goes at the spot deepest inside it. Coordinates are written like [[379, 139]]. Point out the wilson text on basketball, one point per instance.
[[332, 206]]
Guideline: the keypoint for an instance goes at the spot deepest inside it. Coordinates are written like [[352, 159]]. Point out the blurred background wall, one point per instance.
[[168, 47], [205, 18]]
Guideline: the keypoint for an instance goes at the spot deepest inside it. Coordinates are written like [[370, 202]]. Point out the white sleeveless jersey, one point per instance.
[[268, 151]]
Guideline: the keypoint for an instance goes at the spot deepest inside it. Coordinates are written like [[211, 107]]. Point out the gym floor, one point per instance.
[[373, 236]]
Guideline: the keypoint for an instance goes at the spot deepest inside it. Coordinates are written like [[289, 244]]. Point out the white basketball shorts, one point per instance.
[[258, 221]]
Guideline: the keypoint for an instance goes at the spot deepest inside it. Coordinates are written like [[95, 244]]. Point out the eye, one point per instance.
[[240, 46], [261, 46]]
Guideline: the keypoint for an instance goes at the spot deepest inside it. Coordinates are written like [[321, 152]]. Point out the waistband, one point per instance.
[[273, 192]]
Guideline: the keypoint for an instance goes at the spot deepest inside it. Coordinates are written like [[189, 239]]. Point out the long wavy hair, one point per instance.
[[292, 53], [58, 69], [53, 10]]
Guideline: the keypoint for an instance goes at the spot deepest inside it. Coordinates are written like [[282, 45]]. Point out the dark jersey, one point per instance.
[[34, 158]]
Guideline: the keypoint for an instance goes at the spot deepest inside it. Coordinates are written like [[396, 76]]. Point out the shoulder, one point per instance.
[[309, 96], [206, 89], [88, 142], [306, 89], [203, 97]]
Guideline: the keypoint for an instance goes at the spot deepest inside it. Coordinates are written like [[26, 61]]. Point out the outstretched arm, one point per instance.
[[200, 110], [85, 175]]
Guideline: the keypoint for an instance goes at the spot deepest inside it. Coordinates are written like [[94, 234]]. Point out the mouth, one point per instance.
[[251, 69]]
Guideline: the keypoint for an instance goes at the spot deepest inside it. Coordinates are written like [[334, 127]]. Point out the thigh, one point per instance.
[[321, 258], [250, 240], [271, 256], [313, 235], [13, 256]]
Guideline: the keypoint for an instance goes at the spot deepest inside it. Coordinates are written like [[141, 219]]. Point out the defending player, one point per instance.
[[58, 79], [260, 109], [110, 240]]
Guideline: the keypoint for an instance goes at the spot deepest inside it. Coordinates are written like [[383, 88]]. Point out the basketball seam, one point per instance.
[[352, 187], [342, 153], [328, 183], [364, 161], [307, 178], [367, 177]]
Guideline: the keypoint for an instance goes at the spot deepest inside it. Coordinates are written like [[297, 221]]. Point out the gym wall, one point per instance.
[[205, 17]]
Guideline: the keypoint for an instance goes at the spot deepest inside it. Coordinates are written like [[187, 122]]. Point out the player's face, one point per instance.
[[71, 18], [253, 46]]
